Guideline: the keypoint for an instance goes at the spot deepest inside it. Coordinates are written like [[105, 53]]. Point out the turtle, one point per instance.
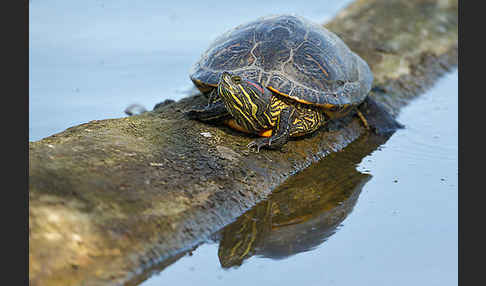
[[278, 77]]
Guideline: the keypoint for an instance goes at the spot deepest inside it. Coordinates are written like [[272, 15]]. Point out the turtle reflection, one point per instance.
[[303, 212]]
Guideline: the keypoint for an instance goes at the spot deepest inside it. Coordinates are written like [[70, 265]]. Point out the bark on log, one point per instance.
[[111, 197]]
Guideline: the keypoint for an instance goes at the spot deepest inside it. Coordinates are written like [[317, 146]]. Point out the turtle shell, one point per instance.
[[289, 55]]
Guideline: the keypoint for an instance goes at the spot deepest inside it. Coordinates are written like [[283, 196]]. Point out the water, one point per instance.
[[394, 222]]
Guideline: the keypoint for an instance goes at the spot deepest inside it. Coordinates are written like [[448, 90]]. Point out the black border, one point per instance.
[[15, 141]]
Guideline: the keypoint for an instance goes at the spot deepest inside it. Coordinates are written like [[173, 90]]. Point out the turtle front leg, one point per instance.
[[213, 97], [280, 133], [214, 112]]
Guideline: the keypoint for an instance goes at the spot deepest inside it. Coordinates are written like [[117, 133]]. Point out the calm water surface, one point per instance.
[[383, 217]]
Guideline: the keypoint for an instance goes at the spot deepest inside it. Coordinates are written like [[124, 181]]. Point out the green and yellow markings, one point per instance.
[[239, 112], [254, 107], [253, 235]]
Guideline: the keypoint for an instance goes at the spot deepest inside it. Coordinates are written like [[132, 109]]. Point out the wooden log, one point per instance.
[[109, 198]]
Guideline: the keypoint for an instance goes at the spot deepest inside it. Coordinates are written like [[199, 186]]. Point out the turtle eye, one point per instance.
[[236, 79]]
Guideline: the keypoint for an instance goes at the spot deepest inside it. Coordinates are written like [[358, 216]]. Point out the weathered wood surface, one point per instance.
[[110, 197]]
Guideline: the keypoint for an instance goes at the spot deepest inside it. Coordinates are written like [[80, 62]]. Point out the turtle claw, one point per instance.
[[259, 143]]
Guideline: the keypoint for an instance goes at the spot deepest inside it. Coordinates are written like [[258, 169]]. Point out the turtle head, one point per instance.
[[229, 84], [244, 99], [234, 86]]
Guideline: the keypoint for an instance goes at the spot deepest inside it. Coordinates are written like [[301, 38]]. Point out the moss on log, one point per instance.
[[109, 198]]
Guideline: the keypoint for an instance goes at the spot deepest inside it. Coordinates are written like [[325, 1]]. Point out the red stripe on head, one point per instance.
[[256, 85]]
